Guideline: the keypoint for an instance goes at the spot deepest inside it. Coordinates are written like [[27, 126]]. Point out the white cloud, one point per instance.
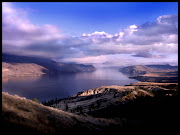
[[156, 40], [133, 26], [18, 32]]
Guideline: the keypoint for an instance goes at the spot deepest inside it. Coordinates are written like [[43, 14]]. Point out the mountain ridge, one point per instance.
[[152, 73], [14, 65]]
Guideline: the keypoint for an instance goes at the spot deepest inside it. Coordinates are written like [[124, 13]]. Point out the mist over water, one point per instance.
[[63, 85]]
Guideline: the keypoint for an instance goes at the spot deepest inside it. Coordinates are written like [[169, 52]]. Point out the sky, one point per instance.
[[100, 33]]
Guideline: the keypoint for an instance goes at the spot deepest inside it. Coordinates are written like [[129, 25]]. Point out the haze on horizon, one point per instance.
[[103, 34]]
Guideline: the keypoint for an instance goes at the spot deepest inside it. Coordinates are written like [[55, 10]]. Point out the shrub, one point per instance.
[[130, 96], [67, 107], [35, 100], [136, 88]]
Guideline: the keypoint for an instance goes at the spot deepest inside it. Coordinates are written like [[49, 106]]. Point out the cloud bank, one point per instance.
[[150, 42]]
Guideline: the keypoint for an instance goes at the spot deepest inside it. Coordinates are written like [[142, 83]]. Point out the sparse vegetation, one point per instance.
[[136, 89], [39, 119], [35, 100], [134, 104], [66, 107]]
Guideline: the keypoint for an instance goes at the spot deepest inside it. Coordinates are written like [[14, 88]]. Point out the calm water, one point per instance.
[[64, 85]]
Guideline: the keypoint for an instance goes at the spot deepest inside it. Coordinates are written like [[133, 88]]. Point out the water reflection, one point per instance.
[[20, 79], [103, 74], [47, 87]]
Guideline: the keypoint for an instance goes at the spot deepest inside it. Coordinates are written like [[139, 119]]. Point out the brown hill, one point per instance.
[[152, 73], [22, 69], [144, 69], [13, 65]]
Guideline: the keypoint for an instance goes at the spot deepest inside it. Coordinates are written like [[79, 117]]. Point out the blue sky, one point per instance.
[[79, 17], [98, 33]]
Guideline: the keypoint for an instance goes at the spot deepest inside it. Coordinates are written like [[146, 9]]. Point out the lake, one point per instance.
[[63, 85]]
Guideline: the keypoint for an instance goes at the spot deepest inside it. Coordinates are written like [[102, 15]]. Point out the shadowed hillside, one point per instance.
[[144, 105]]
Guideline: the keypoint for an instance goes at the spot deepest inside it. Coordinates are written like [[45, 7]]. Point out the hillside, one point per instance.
[[143, 104], [76, 67], [152, 73], [104, 96], [13, 65], [103, 110], [22, 116]]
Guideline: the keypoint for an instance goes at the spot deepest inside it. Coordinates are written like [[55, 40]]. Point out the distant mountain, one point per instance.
[[152, 73], [163, 67], [13, 65], [135, 70], [144, 69], [76, 67]]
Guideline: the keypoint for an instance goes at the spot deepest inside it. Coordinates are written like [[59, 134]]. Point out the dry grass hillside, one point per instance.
[[21, 116], [103, 110], [23, 69]]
